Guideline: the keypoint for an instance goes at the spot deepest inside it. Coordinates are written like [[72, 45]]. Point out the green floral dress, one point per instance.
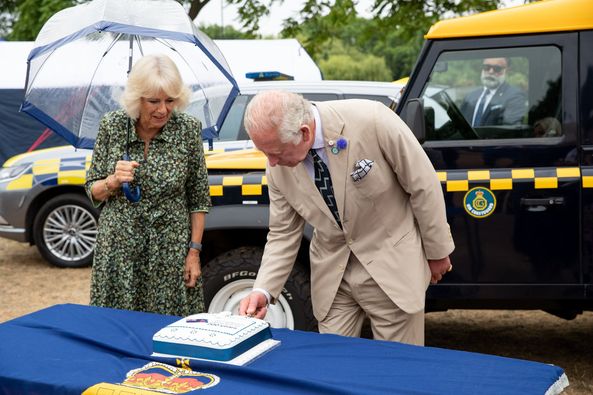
[[141, 247]]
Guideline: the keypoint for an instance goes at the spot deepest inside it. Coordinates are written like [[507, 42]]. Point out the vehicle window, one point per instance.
[[232, 128], [388, 101], [495, 94], [320, 96]]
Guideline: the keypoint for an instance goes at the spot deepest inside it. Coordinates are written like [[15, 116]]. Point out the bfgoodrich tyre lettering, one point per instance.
[[230, 276]]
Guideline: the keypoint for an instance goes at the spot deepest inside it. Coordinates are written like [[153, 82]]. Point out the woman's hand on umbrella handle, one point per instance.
[[124, 171]]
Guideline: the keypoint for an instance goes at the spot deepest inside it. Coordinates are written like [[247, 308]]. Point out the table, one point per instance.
[[66, 349]]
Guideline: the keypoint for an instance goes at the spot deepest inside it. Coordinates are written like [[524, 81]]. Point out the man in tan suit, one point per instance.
[[388, 237]]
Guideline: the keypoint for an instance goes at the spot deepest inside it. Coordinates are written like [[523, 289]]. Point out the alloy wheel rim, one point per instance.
[[70, 232]]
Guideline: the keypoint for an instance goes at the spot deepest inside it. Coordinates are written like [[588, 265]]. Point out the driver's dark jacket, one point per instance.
[[508, 106]]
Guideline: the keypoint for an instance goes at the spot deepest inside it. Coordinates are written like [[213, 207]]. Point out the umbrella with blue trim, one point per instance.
[[78, 66]]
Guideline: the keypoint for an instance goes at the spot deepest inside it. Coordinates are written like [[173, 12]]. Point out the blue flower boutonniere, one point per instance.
[[340, 145]]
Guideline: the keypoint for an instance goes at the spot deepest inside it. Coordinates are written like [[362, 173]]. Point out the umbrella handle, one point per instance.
[[133, 195]]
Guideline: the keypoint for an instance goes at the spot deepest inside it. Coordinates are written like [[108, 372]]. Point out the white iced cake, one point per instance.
[[219, 337]]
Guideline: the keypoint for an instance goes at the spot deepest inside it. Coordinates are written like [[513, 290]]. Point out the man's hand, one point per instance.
[[438, 268], [254, 305]]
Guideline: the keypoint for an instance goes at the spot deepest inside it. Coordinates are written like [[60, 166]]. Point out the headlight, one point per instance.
[[7, 173]]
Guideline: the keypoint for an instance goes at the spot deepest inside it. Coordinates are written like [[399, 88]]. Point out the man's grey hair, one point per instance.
[[280, 111]]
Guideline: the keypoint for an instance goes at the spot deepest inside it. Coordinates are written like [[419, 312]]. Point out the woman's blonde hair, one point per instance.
[[149, 76]]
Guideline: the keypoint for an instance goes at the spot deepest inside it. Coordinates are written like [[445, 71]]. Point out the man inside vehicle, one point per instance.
[[496, 102]]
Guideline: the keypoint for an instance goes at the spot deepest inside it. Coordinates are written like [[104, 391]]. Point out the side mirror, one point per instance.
[[413, 115]]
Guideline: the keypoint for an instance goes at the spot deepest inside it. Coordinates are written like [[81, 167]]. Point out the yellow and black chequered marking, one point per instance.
[[55, 171], [251, 188], [505, 179], [587, 175]]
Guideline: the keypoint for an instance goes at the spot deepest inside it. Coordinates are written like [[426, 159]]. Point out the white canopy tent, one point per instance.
[[286, 56]]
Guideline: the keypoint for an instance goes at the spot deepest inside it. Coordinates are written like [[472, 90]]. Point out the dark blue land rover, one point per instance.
[[518, 178]]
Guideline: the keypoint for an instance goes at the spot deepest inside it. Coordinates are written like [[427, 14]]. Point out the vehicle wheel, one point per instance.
[[65, 230], [229, 277]]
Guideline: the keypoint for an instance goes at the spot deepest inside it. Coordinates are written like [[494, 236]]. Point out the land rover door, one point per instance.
[[512, 185]]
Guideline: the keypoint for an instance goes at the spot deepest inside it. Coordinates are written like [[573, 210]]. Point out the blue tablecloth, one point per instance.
[[66, 349]]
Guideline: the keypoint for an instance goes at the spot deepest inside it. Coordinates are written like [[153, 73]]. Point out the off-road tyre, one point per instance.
[[230, 276]]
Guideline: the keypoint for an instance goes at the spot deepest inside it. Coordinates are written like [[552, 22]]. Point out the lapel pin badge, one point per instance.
[[340, 145]]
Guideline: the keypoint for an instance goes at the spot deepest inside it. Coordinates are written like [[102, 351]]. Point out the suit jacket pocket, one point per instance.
[[400, 238], [373, 184]]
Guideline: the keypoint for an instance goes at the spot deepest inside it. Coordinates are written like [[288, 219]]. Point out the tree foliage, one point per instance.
[[415, 17], [410, 17], [390, 40], [395, 33], [21, 20], [33, 14], [7, 15], [345, 62], [25, 17], [218, 32]]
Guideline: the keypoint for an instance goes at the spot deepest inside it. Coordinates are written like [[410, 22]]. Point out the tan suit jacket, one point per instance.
[[393, 219]]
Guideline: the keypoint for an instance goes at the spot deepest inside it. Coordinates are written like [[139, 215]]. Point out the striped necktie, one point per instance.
[[323, 183]]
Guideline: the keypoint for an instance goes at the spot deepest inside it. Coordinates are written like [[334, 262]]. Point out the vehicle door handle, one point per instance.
[[550, 201]]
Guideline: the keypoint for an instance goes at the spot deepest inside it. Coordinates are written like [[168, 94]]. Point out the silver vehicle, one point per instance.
[[233, 135], [42, 200]]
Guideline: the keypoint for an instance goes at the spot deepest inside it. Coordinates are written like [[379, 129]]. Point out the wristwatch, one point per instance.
[[195, 246]]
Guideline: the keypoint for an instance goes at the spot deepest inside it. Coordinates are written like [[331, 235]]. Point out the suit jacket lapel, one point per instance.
[[496, 98], [333, 127], [307, 188]]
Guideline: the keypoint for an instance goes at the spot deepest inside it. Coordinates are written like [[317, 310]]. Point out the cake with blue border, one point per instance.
[[218, 337]]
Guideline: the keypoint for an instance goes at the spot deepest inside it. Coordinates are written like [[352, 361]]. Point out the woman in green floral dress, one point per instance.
[[142, 259]]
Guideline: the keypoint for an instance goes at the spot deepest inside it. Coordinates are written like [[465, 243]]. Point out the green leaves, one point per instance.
[[25, 18], [345, 45], [391, 39]]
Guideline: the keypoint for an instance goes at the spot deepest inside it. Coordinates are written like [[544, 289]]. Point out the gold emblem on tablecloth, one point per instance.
[[156, 377]]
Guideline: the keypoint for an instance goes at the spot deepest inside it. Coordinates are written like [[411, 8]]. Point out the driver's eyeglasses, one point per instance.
[[493, 67]]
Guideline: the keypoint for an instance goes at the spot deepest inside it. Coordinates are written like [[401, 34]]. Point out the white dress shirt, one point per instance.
[[486, 95], [318, 145]]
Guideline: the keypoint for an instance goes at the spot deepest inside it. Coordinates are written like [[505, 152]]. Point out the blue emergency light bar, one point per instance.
[[268, 76]]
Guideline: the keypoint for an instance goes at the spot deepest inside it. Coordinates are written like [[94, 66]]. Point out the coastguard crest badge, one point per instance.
[[479, 202]]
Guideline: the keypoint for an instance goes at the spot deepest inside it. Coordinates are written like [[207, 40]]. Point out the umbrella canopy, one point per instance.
[[78, 66]]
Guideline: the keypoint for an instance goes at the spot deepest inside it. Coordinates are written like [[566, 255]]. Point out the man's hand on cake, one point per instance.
[[193, 268], [254, 305]]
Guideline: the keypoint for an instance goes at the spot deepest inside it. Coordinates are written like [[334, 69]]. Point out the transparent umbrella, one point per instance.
[[78, 66]]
